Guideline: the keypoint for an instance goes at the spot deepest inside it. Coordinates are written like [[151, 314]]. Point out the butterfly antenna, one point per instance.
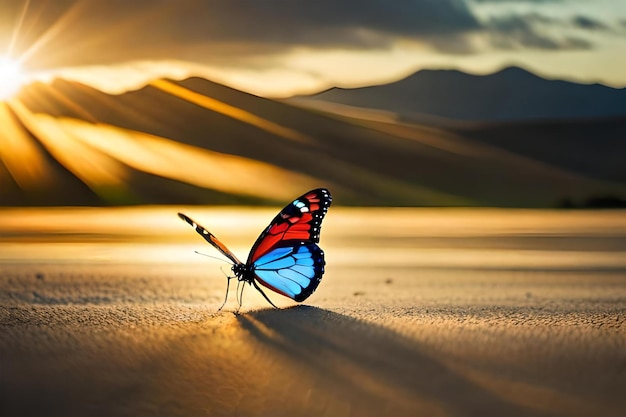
[[213, 257], [263, 294]]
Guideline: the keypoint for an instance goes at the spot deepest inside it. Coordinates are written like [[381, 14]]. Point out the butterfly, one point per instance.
[[285, 257]]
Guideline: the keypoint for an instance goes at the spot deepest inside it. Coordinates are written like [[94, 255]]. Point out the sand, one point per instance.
[[108, 312]]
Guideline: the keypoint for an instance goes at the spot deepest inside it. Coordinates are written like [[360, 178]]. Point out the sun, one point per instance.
[[11, 77]]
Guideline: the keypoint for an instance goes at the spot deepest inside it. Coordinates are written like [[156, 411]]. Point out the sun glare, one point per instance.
[[11, 77]]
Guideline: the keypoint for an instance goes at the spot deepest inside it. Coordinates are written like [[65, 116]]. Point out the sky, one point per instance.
[[283, 47]]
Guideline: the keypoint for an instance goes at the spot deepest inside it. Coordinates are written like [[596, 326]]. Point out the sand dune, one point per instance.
[[260, 151]]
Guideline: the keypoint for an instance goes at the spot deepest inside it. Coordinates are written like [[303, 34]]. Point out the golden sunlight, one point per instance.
[[11, 77]]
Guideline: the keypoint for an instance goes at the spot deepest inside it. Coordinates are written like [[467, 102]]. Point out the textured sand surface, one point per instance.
[[421, 312]]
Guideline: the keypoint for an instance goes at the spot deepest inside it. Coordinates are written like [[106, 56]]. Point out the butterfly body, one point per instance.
[[285, 258], [243, 272]]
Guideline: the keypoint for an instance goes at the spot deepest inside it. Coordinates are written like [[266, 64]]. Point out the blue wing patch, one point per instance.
[[294, 271]]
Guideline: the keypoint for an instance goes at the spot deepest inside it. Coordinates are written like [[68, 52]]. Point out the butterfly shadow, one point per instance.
[[346, 364]]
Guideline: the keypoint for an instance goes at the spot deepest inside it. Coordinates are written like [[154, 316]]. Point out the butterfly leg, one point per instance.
[[226, 297], [239, 294], [263, 294]]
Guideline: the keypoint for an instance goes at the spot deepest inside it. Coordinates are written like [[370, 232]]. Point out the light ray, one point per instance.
[[170, 159], [17, 29], [20, 155], [232, 111], [104, 175], [53, 31], [52, 100]]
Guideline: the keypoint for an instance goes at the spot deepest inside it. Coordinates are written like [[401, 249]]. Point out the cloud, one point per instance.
[[234, 32], [320, 21], [518, 1], [516, 31], [588, 23], [93, 31]]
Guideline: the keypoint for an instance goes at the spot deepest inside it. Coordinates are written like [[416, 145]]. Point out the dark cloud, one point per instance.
[[518, 1], [521, 31], [89, 32], [584, 22], [281, 20], [227, 31]]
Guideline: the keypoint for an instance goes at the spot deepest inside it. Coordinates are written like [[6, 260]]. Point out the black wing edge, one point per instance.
[[209, 237], [318, 264], [325, 201]]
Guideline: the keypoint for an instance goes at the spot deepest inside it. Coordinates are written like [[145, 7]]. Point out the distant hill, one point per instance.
[[595, 148], [198, 142], [512, 94]]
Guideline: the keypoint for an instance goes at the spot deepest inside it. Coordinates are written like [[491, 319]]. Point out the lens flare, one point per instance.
[[11, 77]]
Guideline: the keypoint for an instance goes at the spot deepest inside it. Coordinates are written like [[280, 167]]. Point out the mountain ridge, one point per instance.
[[198, 142], [510, 94]]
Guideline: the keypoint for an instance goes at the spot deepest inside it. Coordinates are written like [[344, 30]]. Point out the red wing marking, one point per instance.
[[299, 221]]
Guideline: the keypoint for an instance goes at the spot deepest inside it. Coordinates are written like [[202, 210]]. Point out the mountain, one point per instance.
[[198, 142], [592, 147], [512, 94]]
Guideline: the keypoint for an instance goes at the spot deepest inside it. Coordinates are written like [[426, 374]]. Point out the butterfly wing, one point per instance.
[[299, 221], [294, 271], [285, 257], [209, 237]]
